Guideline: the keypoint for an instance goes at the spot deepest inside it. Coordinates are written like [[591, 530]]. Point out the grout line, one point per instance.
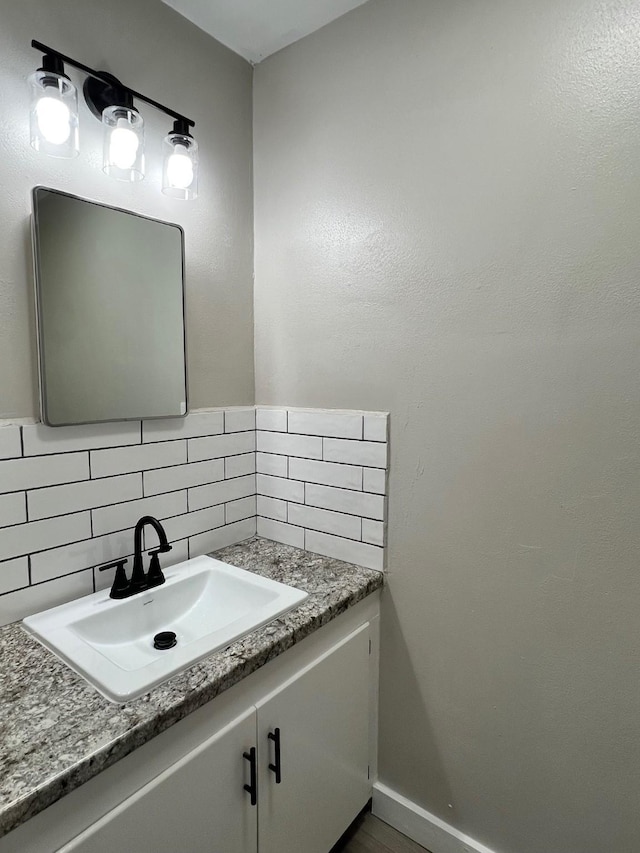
[[80, 450], [17, 589], [60, 577]]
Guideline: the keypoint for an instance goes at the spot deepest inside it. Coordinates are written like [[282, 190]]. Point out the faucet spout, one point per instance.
[[139, 579]]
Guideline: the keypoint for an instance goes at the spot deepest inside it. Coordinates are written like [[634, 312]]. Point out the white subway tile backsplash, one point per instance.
[[279, 532], [312, 518], [237, 510], [40, 535], [308, 446], [182, 476], [344, 500], [271, 508], [125, 515], [81, 517], [179, 553], [215, 446], [212, 540], [58, 500], [334, 460], [372, 532], [69, 503], [359, 553], [225, 490], [326, 473], [10, 444], [374, 480], [268, 463], [81, 555], [238, 466], [326, 423], [123, 460], [271, 419], [40, 439], [277, 487], [369, 453], [32, 599], [376, 426], [193, 523], [240, 419], [194, 424], [13, 509], [14, 574], [20, 474]]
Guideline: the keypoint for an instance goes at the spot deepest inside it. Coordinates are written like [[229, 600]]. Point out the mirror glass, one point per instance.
[[110, 312]]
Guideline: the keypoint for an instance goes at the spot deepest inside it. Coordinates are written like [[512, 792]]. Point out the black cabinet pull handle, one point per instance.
[[252, 788], [277, 767]]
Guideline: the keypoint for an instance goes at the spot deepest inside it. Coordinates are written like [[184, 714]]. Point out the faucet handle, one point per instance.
[[154, 575], [120, 586]]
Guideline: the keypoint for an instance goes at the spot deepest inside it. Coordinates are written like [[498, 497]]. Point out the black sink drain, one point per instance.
[[164, 640]]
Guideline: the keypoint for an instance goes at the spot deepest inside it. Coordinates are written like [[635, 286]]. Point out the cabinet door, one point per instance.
[[198, 805], [323, 719]]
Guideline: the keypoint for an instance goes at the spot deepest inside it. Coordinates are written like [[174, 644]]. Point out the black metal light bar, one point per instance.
[[109, 80]]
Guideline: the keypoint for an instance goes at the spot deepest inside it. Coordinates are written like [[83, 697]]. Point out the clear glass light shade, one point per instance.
[[54, 114], [180, 170], [123, 143]]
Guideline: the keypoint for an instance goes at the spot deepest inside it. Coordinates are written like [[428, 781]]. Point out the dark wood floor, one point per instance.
[[367, 834]]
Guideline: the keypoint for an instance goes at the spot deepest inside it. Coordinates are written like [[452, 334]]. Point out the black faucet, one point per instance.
[[140, 580]]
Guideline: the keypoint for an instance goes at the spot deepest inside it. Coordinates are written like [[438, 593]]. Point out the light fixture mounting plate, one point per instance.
[[100, 94]]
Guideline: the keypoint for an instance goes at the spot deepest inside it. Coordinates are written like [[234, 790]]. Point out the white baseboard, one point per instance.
[[420, 825]]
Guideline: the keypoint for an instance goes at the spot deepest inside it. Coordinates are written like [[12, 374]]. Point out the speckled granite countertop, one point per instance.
[[57, 731]]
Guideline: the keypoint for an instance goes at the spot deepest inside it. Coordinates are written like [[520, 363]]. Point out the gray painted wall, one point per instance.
[[447, 221], [151, 48]]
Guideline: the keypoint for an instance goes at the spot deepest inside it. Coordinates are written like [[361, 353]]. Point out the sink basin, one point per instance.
[[206, 603]]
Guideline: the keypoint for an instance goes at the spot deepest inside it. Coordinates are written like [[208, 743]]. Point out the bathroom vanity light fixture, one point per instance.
[[54, 109], [180, 172], [54, 124]]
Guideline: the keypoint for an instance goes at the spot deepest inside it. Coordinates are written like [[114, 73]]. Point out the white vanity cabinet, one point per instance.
[[308, 718], [319, 719], [196, 805]]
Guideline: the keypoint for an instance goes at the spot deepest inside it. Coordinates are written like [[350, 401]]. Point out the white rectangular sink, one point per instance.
[[206, 603]]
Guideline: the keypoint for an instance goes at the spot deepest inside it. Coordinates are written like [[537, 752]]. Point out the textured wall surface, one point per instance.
[[154, 50], [447, 220]]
